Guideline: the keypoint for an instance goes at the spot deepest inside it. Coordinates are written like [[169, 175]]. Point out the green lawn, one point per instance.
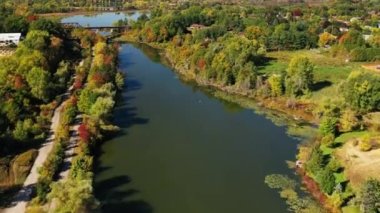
[[346, 136], [328, 71], [340, 178], [326, 150]]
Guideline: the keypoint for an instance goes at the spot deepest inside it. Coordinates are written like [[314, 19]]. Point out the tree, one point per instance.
[[326, 39], [348, 121], [361, 91], [316, 161], [326, 179], [299, 76], [16, 24], [370, 196], [102, 107], [47, 25], [86, 99], [352, 39], [38, 80], [72, 196], [276, 85], [328, 126]]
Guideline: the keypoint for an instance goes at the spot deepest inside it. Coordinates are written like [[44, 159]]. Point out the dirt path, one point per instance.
[[24, 195]]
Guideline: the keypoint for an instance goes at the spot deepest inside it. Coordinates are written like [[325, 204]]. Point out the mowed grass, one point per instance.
[[329, 72], [347, 136]]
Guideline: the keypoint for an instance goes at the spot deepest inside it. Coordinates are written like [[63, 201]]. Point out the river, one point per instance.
[[181, 150]]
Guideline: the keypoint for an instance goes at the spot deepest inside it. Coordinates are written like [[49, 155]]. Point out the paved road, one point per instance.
[[24, 195]]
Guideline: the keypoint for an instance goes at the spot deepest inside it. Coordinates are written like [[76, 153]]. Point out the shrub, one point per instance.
[[326, 180], [328, 140], [119, 80], [365, 54], [370, 196], [328, 126], [276, 85], [365, 143], [348, 121], [316, 161]]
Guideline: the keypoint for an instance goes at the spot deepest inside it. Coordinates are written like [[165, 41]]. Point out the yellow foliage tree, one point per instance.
[[326, 39]]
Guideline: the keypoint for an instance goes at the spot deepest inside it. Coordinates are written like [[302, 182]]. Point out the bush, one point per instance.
[[326, 180], [328, 140], [361, 91], [119, 80], [370, 196], [365, 54], [328, 126], [365, 143], [348, 121], [316, 161], [276, 85]]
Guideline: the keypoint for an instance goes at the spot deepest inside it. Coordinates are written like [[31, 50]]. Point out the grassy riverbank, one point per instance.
[[329, 75]]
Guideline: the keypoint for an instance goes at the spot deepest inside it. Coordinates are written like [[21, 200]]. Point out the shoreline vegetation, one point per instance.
[[318, 86], [94, 90], [308, 63], [48, 62]]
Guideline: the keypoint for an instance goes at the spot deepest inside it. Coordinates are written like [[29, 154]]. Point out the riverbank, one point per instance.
[[299, 112]]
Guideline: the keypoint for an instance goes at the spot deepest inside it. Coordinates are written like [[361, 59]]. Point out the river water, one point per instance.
[[181, 150]]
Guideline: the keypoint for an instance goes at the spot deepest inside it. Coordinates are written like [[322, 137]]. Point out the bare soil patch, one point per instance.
[[359, 165]]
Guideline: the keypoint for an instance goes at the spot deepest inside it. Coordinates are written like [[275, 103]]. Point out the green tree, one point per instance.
[[16, 24], [102, 107], [38, 80], [86, 99], [326, 180], [328, 126], [47, 25], [361, 91], [299, 76], [72, 196], [316, 161]]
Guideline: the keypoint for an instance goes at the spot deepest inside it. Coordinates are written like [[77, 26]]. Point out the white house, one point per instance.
[[9, 38]]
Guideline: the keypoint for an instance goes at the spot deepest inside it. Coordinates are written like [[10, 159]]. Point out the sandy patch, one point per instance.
[[359, 165]]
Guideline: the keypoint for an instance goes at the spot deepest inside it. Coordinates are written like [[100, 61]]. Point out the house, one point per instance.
[[7, 39]]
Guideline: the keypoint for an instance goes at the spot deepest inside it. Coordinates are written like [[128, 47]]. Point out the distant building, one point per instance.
[[7, 39]]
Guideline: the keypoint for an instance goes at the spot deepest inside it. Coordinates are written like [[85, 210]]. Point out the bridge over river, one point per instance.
[[71, 25]]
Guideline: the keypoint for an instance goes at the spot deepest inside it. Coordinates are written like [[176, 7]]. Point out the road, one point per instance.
[[24, 195]]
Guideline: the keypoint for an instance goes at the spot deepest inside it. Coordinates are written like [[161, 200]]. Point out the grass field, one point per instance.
[[328, 71]]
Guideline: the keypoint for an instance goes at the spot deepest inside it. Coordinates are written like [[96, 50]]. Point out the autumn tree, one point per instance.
[[276, 85], [326, 38], [299, 76]]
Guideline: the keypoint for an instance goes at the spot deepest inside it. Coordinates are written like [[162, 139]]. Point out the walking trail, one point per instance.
[[21, 199], [24, 195]]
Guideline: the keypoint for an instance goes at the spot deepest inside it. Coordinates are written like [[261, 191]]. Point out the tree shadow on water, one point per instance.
[[125, 113], [115, 199]]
